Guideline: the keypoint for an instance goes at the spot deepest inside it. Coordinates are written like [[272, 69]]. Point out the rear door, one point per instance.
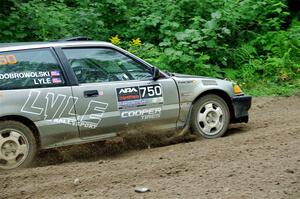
[[35, 87], [117, 93]]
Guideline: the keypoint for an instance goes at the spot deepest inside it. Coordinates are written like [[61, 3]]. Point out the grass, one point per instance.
[[265, 88]]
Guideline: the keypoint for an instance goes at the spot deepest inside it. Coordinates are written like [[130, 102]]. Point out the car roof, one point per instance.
[[35, 45]]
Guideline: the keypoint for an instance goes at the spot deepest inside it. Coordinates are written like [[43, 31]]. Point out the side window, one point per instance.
[[92, 65], [29, 69]]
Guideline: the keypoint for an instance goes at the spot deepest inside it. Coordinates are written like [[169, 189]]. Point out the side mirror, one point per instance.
[[155, 74]]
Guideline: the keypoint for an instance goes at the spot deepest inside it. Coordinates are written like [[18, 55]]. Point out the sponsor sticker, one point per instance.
[[128, 93], [55, 73], [144, 114], [56, 80], [59, 108], [101, 92], [187, 82], [137, 96], [132, 103]]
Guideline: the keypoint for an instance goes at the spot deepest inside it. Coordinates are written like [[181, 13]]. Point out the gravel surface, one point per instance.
[[260, 159]]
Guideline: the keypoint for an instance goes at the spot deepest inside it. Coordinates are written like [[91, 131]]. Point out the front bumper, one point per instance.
[[241, 105]]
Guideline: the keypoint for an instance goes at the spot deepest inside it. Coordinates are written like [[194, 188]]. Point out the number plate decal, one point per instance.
[[138, 96], [151, 91]]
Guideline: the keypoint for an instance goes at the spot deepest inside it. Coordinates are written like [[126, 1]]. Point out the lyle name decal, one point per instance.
[[59, 108]]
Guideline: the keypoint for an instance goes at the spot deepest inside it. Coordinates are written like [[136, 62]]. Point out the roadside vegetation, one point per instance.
[[256, 43]]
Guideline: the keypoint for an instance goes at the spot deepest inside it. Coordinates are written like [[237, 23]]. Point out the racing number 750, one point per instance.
[[151, 91]]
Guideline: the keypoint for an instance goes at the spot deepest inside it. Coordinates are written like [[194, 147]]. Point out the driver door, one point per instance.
[[117, 93]]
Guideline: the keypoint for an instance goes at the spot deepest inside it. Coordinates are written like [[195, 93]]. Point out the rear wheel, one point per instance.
[[210, 116], [17, 145]]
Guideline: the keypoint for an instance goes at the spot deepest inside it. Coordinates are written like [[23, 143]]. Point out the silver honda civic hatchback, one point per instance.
[[62, 93]]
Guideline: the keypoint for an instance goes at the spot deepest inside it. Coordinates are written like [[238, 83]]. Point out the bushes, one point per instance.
[[244, 40]]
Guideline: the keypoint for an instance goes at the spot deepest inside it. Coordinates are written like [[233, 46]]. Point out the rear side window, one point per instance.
[[29, 69]]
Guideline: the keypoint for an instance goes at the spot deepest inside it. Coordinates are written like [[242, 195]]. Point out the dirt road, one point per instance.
[[260, 159]]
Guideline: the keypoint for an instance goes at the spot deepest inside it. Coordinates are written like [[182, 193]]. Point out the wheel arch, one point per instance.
[[221, 94], [27, 122]]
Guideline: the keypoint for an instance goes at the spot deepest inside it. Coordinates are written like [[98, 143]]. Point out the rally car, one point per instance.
[[69, 92]]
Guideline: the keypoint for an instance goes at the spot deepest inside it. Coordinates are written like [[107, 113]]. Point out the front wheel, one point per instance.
[[210, 116], [17, 145]]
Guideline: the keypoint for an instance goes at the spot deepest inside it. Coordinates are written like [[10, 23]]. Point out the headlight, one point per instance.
[[237, 90]]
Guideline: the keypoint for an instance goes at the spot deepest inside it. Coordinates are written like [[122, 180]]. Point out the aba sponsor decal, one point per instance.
[[128, 90], [128, 93], [144, 114], [139, 96], [59, 108]]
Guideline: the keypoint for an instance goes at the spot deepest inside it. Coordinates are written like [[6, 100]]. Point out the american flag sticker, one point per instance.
[[56, 80], [55, 73]]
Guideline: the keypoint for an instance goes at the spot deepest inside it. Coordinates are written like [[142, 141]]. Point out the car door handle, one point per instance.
[[91, 93]]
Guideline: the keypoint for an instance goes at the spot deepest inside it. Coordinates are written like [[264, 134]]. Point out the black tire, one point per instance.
[[26, 140], [198, 126]]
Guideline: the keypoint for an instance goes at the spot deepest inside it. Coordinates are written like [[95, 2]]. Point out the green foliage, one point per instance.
[[244, 40]]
